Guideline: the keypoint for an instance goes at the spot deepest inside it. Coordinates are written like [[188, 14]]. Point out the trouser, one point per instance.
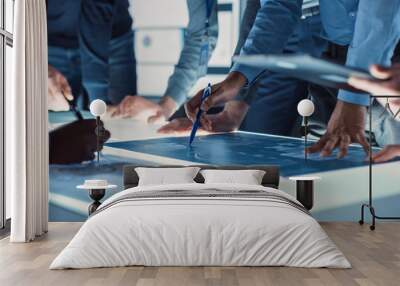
[[121, 69]]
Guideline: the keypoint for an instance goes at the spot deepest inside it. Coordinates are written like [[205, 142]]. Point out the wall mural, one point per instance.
[[145, 66]]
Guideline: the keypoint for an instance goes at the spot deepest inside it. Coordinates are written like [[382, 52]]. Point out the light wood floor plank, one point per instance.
[[375, 257]]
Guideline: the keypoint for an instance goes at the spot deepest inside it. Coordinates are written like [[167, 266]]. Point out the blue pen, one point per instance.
[[196, 124]]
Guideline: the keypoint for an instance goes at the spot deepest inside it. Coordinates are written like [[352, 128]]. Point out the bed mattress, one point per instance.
[[201, 225]]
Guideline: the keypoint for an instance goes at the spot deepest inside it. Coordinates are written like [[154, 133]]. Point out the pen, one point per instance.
[[72, 107], [77, 113], [196, 124]]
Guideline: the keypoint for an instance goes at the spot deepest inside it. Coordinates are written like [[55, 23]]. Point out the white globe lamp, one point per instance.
[[305, 108], [98, 107]]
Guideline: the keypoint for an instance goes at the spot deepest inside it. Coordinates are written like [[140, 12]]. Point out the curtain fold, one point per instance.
[[27, 124]]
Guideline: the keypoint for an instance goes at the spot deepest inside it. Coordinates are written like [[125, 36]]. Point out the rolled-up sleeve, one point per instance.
[[275, 22], [185, 72], [375, 37]]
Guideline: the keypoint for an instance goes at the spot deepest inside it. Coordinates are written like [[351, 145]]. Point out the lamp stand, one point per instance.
[[370, 202], [305, 137], [99, 133]]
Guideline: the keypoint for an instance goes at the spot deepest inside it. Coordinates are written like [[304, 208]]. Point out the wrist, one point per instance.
[[236, 110], [237, 79], [347, 106], [168, 105]]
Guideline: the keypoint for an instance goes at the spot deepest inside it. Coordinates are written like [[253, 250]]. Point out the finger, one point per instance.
[[208, 103], [317, 147], [193, 105], [167, 128], [91, 156], [212, 99], [62, 103], [363, 84], [360, 138], [105, 137], [385, 155], [329, 146], [116, 111], [345, 141], [63, 86], [154, 118], [176, 125], [206, 123], [66, 91], [126, 104], [380, 72]]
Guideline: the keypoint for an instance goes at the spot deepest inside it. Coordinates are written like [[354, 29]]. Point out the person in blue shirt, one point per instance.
[[359, 23], [90, 52], [264, 97], [199, 42]]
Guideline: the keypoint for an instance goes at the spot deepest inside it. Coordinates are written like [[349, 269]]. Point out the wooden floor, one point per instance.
[[375, 257]]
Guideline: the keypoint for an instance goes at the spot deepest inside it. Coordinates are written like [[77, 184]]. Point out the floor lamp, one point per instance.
[[305, 108], [370, 201], [98, 108]]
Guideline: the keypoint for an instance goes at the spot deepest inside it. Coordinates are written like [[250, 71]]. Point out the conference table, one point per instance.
[[338, 195]]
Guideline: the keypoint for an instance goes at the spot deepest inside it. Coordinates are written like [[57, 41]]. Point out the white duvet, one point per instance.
[[200, 231]]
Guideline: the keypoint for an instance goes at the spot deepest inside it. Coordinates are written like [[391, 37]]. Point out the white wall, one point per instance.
[[159, 40]]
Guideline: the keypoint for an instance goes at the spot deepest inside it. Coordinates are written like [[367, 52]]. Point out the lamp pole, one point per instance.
[[305, 108], [98, 108]]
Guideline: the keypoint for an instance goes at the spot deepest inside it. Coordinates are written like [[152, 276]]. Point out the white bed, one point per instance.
[[223, 225]]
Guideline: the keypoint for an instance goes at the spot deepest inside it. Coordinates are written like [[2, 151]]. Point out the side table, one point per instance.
[[305, 190], [97, 190]]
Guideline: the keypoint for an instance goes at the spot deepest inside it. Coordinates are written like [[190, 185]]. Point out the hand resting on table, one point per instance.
[[75, 142]]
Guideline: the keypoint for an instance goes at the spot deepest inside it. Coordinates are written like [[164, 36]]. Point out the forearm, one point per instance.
[[375, 37], [186, 71], [273, 25]]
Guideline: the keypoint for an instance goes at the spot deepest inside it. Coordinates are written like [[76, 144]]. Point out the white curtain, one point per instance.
[[26, 117]]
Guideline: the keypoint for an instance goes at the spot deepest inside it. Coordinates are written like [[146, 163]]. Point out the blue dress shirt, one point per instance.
[[376, 25], [185, 73]]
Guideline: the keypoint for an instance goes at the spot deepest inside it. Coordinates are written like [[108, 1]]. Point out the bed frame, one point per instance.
[[271, 177]]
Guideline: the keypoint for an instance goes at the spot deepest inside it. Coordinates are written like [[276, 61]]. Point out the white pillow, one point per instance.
[[166, 176], [247, 177]]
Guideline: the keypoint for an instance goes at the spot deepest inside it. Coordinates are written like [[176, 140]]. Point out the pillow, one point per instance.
[[166, 176], [247, 177]]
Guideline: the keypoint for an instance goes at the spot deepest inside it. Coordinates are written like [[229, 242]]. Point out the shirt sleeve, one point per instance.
[[275, 22], [95, 29], [185, 72], [375, 37]]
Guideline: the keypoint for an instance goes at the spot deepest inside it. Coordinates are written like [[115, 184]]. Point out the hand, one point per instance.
[[178, 125], [389, 87], [140, 108], [59, 91], [82, 134], [112, 111], [388, 153], [168, 107], [136, 107], [346, 126], [220, 93], [228, 120]]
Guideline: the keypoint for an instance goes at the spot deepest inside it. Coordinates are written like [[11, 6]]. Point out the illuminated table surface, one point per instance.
[[343, 187]]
